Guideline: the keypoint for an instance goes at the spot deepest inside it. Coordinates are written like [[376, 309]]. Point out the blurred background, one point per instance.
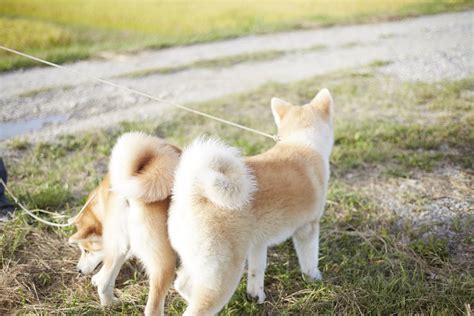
[[397, 235], [62, 30]]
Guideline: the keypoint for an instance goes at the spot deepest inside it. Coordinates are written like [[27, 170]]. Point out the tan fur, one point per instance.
[[291, 180], [89, 223], [150, 168], [148, 173], [164, 257], [281, 194], [98, 231]]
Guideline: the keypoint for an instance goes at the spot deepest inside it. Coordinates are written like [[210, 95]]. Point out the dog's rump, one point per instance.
[[212, 170], [142, 167]]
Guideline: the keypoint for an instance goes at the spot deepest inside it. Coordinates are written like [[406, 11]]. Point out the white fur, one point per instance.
[[306, 241], [325, 96], [141, 240], [320, 140], [124, 231], [124, 237], [89, 260], [210, 169], [257, 261], [197, 176], [120, 167], [208, 256], [216, 171], [123, 166], [104, 280], [275, 103], [116, 240], [127, 187]]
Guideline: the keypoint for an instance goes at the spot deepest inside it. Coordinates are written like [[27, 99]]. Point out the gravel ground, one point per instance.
[[440, 203], [426, 48]]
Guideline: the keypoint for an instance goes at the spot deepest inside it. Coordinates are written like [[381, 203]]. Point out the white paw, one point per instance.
[[147, 311], [256, 293], [314, 274], [108, 299]]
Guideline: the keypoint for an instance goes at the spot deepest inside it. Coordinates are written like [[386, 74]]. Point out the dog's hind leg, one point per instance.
[[207, 302], [306, 241], [209, 296], [160, 280], [105, 278], [182, 284], [257, 261]]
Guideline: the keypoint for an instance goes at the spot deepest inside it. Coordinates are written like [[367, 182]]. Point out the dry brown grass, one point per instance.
[[38, 272], [413, 154], [34, 265]]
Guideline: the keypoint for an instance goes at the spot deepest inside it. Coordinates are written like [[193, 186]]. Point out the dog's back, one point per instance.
[[291, 184], [226, 207]]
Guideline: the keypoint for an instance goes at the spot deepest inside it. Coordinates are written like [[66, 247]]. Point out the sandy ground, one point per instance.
[[426, 48]]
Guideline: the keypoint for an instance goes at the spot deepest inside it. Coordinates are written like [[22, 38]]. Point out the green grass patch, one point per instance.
[[35, 92], [388, 130], [372, 263], [401, 147], [220, 62], [380, 63], [62, 30]]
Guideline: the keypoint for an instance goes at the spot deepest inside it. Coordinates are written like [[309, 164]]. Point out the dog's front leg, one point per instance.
[[105, 278], [257, 262]]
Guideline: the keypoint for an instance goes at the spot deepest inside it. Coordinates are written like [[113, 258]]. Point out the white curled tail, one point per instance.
[[211, 169], [142, 167]]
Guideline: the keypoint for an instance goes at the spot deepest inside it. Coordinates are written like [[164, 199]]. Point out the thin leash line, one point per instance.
[[27, 211], [144, 94], [49, 213]]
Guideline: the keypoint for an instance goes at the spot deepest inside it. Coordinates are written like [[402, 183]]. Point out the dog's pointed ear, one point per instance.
[[279, 109], [81, 234], [324, 102]]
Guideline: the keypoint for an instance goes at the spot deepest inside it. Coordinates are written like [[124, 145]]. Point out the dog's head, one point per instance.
[[315, 116], [89, 235]]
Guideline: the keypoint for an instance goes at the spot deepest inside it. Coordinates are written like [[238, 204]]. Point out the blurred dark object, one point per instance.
[[6, 208]]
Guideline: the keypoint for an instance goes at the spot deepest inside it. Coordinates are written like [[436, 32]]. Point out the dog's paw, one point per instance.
[[153, 311], [256, 294], [313, 275], [257, 298], [108, 300]]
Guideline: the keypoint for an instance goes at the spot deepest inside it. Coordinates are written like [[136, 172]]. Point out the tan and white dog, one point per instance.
[[128, 217], [226, 208]]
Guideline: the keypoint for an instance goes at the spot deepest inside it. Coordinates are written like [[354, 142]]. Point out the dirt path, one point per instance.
[[52, 102]]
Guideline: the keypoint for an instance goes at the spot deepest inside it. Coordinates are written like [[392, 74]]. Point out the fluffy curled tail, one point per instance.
[[211, 169], [142, 167]]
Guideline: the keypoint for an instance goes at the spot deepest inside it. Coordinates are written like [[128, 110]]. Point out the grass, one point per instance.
[[373, 260], [221, 62], [225, 61], [380, 63], [35, 92], [62, 30]]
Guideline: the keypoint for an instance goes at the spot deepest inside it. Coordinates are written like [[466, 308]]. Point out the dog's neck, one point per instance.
[[321, 141]]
